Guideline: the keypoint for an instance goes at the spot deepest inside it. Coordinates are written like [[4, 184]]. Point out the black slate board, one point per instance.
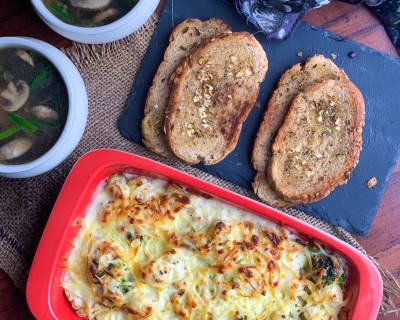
[[352, 206]]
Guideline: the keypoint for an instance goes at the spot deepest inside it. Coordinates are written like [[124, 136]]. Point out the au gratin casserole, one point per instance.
[[148, 249]]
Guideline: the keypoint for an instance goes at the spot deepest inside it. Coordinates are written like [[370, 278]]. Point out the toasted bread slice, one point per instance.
[[262, 188], [215, 89], [317, 68], [319, 143], [186, 36]]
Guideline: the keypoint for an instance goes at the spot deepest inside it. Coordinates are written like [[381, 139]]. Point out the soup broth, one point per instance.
[[89, 13], [33, 105]]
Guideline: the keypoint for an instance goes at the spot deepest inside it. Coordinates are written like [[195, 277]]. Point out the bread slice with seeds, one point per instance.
[[319, 143], [186, 36], [215, 89], [317, 68]]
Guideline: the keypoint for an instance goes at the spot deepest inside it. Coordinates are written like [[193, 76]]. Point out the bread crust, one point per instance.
[[341, 175], [262, 187], [157, 97], [242, 107]]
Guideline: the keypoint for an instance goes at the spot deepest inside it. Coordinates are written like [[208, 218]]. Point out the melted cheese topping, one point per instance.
[[148, 249]]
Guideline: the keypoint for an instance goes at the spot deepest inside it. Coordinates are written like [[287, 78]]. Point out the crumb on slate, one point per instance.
[[372, 182], [300, 54], [351, 54], [333, 55]]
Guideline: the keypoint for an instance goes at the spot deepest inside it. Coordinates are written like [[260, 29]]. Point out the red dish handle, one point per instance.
[[370, 290]]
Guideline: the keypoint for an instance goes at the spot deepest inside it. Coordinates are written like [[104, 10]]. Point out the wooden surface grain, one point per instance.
[[383, 242]]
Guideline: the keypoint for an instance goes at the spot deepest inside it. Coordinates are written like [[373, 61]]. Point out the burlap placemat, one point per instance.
[[109, 71]]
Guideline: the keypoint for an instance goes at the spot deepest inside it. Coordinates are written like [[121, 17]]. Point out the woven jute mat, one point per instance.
[[108, 71]]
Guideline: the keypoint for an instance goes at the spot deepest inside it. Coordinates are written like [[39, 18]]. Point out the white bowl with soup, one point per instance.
[[95, 21], [43, 107]]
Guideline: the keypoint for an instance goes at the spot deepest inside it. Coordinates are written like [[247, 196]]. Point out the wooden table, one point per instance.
[[383, 242]]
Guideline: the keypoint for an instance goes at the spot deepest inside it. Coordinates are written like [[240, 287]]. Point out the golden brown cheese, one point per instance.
[[152, 250]]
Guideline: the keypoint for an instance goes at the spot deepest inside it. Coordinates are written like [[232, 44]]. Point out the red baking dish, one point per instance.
[[46, 297]]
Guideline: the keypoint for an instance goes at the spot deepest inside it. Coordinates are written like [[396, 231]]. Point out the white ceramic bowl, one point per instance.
[[116, 30], [77, 110]]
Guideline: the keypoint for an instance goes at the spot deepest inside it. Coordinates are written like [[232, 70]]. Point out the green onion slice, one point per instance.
[[9, 132], [131, 2], [61, 12], [39, 77], [23, 123], [39, 122]]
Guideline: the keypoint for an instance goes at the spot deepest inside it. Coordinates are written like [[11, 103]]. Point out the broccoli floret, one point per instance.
[[329, 267]]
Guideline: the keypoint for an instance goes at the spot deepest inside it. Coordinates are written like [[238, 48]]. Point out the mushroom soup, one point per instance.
[[89, 13], [33, 105]]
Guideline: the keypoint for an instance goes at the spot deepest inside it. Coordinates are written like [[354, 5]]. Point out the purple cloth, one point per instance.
[[278, 18]]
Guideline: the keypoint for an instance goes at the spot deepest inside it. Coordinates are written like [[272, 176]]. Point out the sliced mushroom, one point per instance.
[[24, 55], [104, 15], [14, 96], [44, 113], [90, 4], [15, 148]]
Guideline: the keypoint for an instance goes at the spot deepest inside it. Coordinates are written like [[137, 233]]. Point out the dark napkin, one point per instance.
[[278, 18]]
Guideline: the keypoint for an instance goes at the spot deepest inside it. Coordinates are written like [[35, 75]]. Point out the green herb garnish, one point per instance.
[[61, 12], [117, 264], [39, 77], [9, 132], [342, 279], [125, 288], [23, 123]]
